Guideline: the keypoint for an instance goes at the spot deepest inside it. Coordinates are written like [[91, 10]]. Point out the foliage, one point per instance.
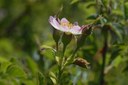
[[25, 32]]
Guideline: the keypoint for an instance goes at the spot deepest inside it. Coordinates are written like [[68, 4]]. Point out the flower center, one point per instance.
[[68, 24]]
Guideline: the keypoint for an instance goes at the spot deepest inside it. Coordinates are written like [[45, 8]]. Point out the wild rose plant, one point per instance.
[[63, 32]]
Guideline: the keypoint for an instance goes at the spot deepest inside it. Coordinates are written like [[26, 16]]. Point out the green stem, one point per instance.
[[56, 46], [68, 61], [76, 49], [64, 48], [59, 76], [61, 67]]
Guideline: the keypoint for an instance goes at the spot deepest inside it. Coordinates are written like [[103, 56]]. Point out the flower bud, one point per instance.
[[87, 29], [56, 35], [66, 38], [81, 62]]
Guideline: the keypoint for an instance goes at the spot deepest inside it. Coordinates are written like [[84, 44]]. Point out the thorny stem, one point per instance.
[[61, 67], [104, 51], [105, 47]]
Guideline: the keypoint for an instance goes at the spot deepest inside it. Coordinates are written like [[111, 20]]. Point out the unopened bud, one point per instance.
[[66, 38], [87, 29], [81, 62], [56, 35]]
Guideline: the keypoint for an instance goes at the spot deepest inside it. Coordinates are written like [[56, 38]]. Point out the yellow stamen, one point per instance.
[[69, 25]]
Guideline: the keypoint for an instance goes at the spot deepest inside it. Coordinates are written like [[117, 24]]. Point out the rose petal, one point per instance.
[[76, 30], [64, 20], [54, 22], [64, 28]]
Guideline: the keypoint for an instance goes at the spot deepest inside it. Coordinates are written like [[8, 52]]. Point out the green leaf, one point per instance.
[[57, 59], [115, 52], [116, 31], [6, 46], [3, 59], [53, 78], [32, 65], [28, 82], [74, 1], [43, 47], [15, 71], [4, 64], [48, 52], [103, 21], [40, 79], [117, 61]]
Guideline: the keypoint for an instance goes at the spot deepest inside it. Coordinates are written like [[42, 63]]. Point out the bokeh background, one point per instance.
[[24, 27]]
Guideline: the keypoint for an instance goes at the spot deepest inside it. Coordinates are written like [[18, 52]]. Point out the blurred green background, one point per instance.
[[24, 27]]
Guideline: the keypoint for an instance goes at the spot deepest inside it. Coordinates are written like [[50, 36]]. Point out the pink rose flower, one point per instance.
[[65, 26]]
